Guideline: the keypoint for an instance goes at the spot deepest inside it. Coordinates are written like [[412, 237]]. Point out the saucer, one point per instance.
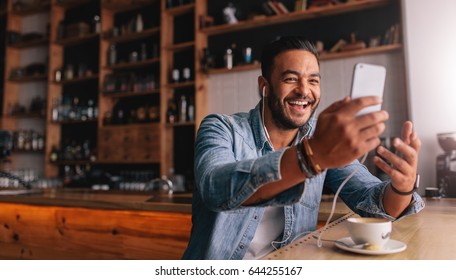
[[393, 246]]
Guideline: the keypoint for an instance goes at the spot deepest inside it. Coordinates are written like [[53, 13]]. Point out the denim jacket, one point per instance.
[[233, 159]]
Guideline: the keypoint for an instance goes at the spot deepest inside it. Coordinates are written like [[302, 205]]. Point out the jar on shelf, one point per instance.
[[112, 55], [171, 112], [69, 72], [183, 109]]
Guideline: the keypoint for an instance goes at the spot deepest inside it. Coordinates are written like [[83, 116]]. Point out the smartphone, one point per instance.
[[368, 79]]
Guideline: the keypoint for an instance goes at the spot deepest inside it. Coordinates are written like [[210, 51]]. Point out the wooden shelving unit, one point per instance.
[[323, 57], [181, 46], [71, 4], [78, 80], [133, 65], [180, 10], [125, 6], [160, 146], [28, 79], [78, 40], [317, 12], [173, 93], [65, 50], [131, 36], [30, 44], [131, 142], [129, 94], [32, 9], [20, 88]]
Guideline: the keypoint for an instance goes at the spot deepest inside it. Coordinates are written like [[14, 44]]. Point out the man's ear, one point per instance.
[[263, 86]]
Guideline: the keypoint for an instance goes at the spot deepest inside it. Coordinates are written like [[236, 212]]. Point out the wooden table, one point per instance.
[[429, 235]]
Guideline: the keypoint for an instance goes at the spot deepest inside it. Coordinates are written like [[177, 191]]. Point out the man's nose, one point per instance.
[[303, 88]]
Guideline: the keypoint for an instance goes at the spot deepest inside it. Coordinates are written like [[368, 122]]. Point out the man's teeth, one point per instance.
[[300, 103]]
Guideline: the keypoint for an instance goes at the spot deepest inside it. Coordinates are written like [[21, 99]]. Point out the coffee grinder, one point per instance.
[[446, 164]]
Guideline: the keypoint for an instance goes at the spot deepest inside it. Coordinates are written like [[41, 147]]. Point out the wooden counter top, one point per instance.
[[85, 224], [429, 235], [113, 200]]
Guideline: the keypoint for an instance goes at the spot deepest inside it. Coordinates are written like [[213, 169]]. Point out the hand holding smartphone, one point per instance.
[[368, 80]]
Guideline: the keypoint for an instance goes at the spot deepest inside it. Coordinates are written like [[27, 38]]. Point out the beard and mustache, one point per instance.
[[279, 116]]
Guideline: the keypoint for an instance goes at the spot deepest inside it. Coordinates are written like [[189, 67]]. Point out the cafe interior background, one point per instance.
[[104, 97]]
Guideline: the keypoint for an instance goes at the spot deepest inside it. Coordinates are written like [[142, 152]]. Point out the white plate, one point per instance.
[[393, 246]]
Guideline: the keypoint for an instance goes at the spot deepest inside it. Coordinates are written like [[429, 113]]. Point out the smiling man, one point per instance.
[[260, 175]]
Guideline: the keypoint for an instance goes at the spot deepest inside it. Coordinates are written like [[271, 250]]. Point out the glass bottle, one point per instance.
[[229, 58], [96, 24], [90, 109], [69, 72], [171, 112], [191, 110], [143, 55], [183, 109], [54, 156], [139, 23], [55, 109], [112, 55], [40, 142]]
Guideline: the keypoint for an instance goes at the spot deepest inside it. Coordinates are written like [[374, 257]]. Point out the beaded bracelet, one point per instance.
[[306, 171], [309, 153]]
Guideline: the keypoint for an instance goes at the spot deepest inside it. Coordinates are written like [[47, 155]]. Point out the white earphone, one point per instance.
[[264, 90]]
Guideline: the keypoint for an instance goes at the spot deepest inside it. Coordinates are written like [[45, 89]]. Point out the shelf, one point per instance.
[[132, 36], [323, 57], [181, 85], [73, 162], [70, 4], [67, 42], [27, 116], [77, 80], [239, 68], [181, 46], [129, 94], [181, 10], [179, 124], [123, 162], [296, 16], [132, 65], [34, 78], [133, 125], [30, 44], [32, 9], [75, 121], [121, 7], [22, 151], [367, 51]]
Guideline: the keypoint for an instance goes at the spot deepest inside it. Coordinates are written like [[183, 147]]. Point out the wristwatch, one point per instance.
[[415, 187]]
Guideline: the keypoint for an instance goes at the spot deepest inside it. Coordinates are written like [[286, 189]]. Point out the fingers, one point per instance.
[[415, 142], [370, 119], [405, 164], [373, 131], [407, 129], [387, 168], [355, 105], [337, 105]]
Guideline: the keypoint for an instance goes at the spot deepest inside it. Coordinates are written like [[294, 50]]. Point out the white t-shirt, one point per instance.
[[270, 229]]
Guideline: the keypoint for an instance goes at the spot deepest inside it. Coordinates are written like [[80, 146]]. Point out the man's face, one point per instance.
[[294, 89]]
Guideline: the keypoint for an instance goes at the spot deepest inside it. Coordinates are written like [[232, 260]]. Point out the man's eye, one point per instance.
[[290, 79], [315, 81]]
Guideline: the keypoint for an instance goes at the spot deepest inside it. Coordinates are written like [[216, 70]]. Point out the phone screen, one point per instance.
[[368, 79]]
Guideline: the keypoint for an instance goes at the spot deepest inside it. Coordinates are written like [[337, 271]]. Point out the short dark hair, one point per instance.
[[280, 45]]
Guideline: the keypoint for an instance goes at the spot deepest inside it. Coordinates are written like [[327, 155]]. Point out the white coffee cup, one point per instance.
[[373, 231]]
